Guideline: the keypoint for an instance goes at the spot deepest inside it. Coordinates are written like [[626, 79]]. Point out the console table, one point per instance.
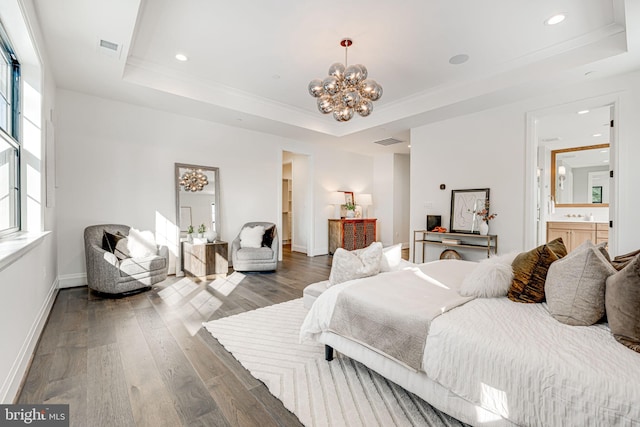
[[205, 260], [351, 233], [487, 243]]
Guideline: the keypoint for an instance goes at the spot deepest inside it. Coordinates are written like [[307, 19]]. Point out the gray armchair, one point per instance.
[[255, 259], [108, 274]]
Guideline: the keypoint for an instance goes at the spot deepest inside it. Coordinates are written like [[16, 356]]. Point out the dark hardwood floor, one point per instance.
[[145, 360]]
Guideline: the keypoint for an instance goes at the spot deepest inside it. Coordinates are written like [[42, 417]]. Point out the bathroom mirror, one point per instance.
[[580, 176], [197, 197]]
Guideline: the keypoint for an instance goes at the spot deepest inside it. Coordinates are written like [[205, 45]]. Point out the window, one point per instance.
[[9, 137]]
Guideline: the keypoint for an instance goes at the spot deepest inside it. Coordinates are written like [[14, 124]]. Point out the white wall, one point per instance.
[[116, 163], [391, 198], [301, 202], [487, 149], [401, 198], [28, 285]]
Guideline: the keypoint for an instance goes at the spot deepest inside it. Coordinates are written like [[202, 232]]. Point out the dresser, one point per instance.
[[351, 234], [576, 233], [205, 260]]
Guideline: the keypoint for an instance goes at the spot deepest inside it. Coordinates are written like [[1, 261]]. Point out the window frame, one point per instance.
[[12, 136]]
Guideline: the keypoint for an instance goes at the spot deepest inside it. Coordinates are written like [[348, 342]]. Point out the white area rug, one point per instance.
[[340, 393]]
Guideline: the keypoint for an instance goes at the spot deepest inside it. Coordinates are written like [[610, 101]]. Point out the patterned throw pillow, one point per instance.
[[575, 285], [350, 265], [269, 235], [116, 244], [622, 300], [530, 271]]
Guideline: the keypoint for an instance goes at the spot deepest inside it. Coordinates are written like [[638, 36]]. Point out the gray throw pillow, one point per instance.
[[622, 299], [575, 286], [354, 265]]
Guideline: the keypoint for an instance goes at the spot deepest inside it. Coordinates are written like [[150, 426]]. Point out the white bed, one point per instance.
[[494, 362]]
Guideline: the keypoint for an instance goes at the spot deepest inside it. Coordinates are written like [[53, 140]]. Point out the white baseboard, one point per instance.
[[19, 369], [299, 248], [72, 280]]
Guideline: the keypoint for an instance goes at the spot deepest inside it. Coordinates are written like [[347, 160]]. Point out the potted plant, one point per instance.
[[201, 230], [351, 210], [190, 233]]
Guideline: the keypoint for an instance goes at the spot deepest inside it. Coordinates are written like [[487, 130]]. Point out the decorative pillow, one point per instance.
[[110, 240], [391, 258], [141, 243], [622, 300], [349, 265], [621, 261], [575, 286], [269, 235], [251, 237], [491, 278], [530, 271], [122, 249]]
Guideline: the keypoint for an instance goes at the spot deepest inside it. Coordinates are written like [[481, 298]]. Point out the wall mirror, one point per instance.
[[197, 197], [580, 176]]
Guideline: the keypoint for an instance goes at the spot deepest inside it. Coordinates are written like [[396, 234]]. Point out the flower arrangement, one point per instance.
[[484, 214], [190, 229], [350, 206], [202, 228]]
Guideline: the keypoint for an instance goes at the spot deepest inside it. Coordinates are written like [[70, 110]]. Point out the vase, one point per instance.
[[211, 236], [351, 214], [483, 228], [190, 237]]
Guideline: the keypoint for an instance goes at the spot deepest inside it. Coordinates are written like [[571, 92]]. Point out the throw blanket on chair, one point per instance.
[[391, 314]]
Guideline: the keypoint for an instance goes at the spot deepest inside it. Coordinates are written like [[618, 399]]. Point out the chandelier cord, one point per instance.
[[346, 49]]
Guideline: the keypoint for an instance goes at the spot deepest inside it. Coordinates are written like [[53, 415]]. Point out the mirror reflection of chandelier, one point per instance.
[[346, 90], [193, 180]]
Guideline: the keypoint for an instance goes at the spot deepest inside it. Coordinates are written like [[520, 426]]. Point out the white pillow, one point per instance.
[[491, 278], [391, 258], [251, 237], [350, 265], [141, 243]]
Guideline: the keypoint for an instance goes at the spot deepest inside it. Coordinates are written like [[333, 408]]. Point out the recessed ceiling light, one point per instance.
[[555, 19], [459, 59], [595, 135], [181, 57], [583, 111], [604, 151]]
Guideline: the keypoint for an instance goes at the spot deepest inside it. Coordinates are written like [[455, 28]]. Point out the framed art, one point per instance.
[[596, 194], [463, 205], [348, 198]]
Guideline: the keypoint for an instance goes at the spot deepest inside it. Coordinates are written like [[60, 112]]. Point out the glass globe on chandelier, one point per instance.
[[347, 89], [193, 180]]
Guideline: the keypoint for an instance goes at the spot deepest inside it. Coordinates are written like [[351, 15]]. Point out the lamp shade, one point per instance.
[[562, 170], [336, 198], [365, 199]]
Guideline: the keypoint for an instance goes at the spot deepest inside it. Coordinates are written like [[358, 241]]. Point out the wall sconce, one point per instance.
[[336, 198], [562, 175], [365, 200]]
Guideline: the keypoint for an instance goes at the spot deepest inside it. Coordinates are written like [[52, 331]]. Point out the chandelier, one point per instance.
[[193, 180], [347, 89]]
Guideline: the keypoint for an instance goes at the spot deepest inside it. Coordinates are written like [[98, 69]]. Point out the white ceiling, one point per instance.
[[250, 61]]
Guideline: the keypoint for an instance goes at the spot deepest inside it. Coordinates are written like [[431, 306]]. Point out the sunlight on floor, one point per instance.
[[199, 309], [226, 285], [174, 293]]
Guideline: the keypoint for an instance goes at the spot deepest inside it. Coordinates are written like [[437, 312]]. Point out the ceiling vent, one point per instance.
[[388, 141], [109, 48]]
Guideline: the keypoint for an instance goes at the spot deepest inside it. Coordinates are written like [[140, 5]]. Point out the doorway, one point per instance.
[[296, 207], [573, 150]]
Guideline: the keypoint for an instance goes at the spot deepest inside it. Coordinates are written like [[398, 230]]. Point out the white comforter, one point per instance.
[[517, 361]]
